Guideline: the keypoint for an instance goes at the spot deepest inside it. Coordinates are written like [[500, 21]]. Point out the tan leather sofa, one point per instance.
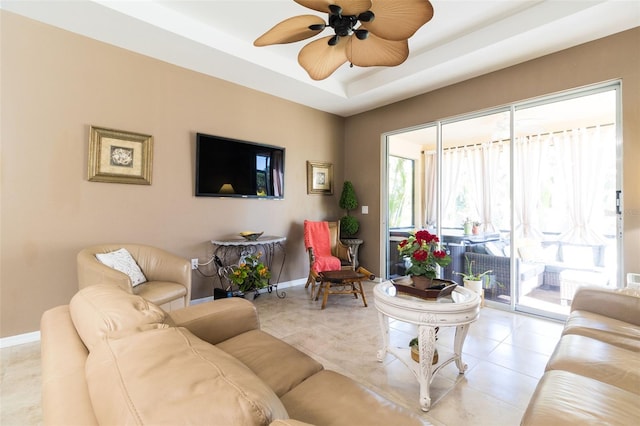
[[593, 376], [168, 276], [112, 358]]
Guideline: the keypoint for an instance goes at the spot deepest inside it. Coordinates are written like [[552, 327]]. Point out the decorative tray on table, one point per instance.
[[441, 289]]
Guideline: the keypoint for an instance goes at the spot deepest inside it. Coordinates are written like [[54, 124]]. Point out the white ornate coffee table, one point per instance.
[[458, 310]]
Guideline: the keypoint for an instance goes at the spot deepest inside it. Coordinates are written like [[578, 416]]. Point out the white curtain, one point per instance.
[[430, 191], [477, 174], [528, 155], [582, 152], [452, 162], [495, 160]]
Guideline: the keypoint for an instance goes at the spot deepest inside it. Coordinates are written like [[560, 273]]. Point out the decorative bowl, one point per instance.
[[251, 235]]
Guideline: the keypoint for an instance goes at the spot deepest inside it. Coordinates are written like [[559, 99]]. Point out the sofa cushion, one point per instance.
[[121, 260], [598, 360], [169, 376], [329, 398], [103, 309], [160, 292], [267, 357], [564, 398], [600, 327]]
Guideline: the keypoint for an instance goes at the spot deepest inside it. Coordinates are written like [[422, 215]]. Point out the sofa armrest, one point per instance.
[[65, 394], [92, 272], [218, 320], [609, 303]]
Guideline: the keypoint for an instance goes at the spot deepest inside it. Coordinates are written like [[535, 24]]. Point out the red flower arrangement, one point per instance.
[[423, 251]]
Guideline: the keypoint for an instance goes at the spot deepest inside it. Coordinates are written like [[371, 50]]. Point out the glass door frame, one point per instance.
[[512, 108]]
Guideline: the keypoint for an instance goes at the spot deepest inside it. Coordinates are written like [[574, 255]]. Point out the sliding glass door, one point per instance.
[[526, 193], [565, 186], [411, 199], [476, 222]]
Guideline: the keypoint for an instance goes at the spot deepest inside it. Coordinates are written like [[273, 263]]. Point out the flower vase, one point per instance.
[[467, 228], [421, 282]]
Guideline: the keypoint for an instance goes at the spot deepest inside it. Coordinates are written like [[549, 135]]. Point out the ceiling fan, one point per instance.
[[366, 33]]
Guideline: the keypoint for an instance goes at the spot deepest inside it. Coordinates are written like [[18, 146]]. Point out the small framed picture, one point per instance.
[[319, 178], [117, 156]]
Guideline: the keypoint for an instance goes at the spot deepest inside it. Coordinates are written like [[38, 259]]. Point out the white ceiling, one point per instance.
[[464, 39]]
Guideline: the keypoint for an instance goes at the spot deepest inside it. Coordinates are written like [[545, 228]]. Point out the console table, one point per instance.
[[458, 310], [238, 247]]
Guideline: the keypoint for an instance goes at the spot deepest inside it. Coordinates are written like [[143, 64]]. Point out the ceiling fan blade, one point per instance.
[[399, 20], [376, 51], [349, 7], [290, 30], [320, 60]]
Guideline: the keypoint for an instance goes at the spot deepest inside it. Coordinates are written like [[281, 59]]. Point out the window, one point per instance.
[[401, 190]]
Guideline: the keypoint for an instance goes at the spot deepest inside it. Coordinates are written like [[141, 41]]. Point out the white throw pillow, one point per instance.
[[121, 260]]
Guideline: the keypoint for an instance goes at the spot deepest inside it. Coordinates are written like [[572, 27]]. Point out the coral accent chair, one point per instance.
[[326, 251], [168, 277]]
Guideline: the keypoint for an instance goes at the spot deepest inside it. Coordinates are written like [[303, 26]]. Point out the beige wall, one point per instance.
[[615, 57], [54, 86]]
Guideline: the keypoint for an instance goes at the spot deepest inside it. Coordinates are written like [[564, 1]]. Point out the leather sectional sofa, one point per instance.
[[593, 376], [111, 357]]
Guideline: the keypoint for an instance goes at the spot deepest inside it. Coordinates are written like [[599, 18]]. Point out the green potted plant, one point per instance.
[[415, 351], [250, 274], [348, 201], [473, 280], [475, 229]]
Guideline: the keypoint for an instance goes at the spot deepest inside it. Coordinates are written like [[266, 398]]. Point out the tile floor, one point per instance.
[[506, 354]]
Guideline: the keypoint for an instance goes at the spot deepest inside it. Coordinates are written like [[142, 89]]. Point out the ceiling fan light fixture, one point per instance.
[[334, 9], [367, 16], [361, 34]]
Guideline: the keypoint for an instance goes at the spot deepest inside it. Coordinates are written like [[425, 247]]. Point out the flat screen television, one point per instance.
[[233, 168]]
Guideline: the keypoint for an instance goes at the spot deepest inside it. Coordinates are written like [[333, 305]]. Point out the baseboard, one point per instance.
[[20, 339], [34, 336], [281, 286]]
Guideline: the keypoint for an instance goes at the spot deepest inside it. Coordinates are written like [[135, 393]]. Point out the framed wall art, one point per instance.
[[117, 156], [319, 178]]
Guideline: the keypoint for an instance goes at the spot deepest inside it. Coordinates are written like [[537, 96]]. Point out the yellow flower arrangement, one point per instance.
[[251, 274]]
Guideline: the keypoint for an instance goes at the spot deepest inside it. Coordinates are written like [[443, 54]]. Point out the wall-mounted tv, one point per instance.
[[233, 168]]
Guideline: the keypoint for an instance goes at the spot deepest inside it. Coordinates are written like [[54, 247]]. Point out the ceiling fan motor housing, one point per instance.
[[343, 25]]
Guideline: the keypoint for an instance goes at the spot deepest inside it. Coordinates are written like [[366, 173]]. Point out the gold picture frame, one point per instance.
[[319, 178], [117, 156]]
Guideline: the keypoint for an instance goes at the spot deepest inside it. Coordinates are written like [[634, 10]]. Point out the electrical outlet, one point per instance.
[[194, 263]]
